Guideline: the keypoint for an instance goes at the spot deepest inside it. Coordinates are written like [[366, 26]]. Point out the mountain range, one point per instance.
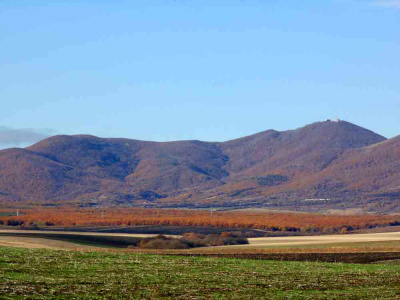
[[325, 164]]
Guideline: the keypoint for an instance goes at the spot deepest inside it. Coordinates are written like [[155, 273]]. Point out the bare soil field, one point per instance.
[[57, 239], [254, 243], [31, 243], [322, 239], [350, 248]]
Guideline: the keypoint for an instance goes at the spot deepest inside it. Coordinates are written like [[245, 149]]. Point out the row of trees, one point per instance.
[[68, 217]]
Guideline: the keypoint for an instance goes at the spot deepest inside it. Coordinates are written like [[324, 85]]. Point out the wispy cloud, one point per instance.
[[10, 137], [387, 3]]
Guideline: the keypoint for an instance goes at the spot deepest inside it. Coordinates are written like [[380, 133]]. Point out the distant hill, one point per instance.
[[338, 161], [371, 174], [308, 149]]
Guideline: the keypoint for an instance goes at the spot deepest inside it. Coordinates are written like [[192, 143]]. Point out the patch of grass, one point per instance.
[[41, 274], [352, 257], [391, 262]]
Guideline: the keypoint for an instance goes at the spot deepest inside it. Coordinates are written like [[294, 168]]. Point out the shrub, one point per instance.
[[11, 222], [193, 240], [225, 238], [159, 243]]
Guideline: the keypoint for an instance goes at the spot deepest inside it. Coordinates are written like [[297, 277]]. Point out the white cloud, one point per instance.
[[387, 3], [10, 137]]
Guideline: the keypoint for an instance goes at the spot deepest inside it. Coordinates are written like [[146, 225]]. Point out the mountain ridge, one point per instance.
[[254, 168]]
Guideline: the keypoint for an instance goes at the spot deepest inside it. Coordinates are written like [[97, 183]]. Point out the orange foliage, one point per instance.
[[139, 216]]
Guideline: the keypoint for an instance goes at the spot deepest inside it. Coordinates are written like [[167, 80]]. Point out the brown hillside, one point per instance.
[[269, 164], [25, 175], [372, 171], [308, 149], [66, 167]]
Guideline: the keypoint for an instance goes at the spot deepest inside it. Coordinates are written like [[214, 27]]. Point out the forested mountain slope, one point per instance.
[[325, 159]]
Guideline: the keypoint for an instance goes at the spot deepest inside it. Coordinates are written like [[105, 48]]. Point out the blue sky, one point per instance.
[[188, 69]]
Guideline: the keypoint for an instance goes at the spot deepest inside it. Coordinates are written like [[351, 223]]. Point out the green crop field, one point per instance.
[[38, 274]]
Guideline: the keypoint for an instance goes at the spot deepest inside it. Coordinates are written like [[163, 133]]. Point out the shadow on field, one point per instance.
[[90, 240]]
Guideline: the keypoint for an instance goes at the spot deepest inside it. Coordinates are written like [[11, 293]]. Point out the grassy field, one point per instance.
[[40, 273]]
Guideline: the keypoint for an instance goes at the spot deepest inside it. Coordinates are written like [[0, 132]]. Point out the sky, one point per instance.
[[215, 70]]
